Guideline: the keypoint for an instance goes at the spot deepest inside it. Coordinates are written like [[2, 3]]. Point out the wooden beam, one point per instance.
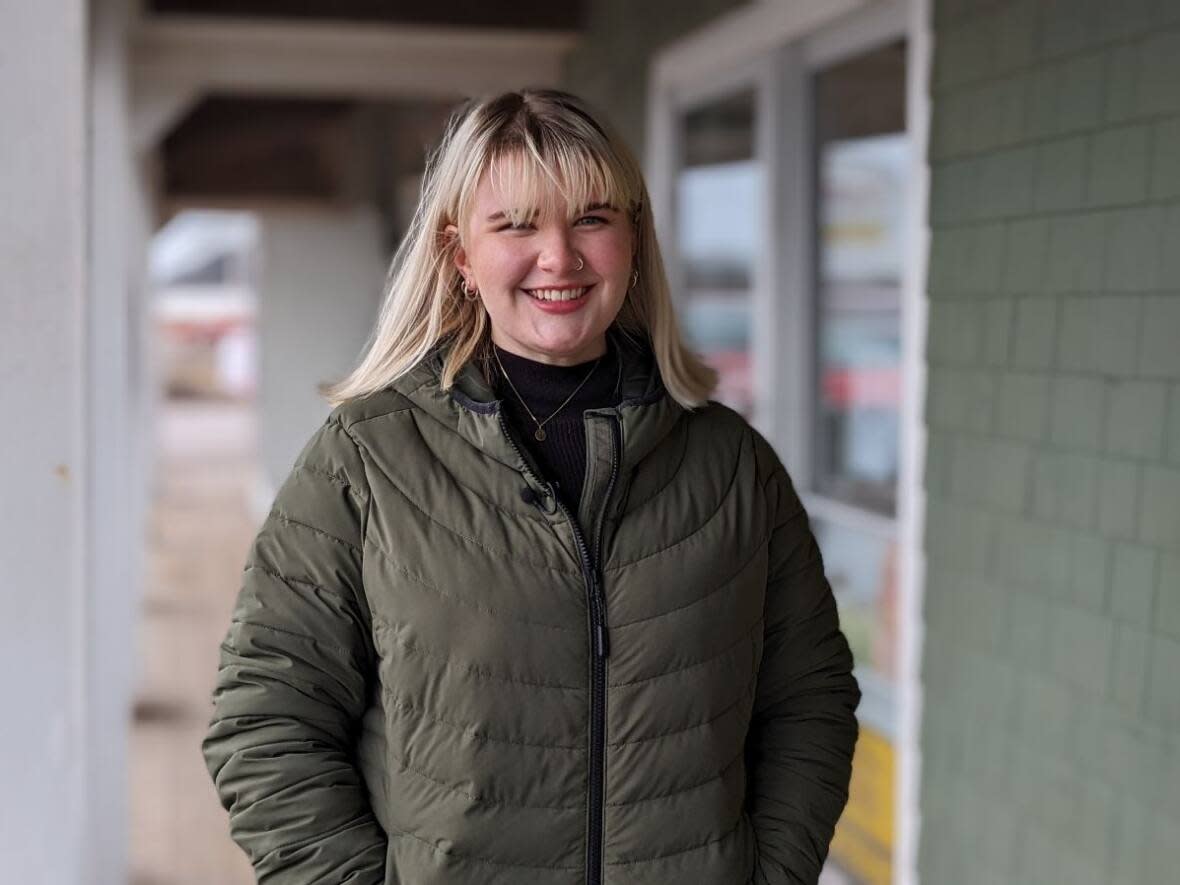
[[341, 60]]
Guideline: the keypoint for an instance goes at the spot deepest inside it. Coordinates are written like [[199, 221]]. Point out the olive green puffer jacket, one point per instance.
[[436, 674]]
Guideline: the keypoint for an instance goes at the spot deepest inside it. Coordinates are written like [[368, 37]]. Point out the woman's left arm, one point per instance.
[[803, 730]]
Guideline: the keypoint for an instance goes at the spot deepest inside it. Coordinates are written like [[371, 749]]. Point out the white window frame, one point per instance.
[[774, 46], [756, 77]]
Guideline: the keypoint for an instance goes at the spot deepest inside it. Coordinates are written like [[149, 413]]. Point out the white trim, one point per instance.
[[661, 146], [764, 307], [880, 22], [911, 502], [244, 55], [795, 308], [750, 74], [733, 39]]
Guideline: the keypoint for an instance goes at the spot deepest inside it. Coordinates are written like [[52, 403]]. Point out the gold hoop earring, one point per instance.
[[469, 293], [634, 280]]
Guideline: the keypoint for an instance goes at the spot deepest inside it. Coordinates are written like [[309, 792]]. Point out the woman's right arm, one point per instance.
[[293, 683]]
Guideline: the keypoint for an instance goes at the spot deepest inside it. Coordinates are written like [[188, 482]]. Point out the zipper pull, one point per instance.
[[602, 640], [601, 632]]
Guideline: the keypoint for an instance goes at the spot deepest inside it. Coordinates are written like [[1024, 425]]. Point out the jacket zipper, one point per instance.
[[598, 679], [600, 641]]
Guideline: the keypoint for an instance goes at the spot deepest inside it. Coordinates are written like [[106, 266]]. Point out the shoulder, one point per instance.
[[719, 423], [353, 414], [335, 447]]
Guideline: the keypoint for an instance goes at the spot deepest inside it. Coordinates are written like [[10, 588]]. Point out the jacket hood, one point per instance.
[[646, 411]]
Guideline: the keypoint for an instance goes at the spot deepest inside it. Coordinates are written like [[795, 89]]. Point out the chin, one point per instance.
[[564, 346], [564, 339]]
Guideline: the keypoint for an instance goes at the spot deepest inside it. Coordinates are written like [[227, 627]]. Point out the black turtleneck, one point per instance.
[[562, 454]]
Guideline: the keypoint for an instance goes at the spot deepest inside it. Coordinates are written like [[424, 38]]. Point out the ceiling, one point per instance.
[[518, 15], [233, 145]]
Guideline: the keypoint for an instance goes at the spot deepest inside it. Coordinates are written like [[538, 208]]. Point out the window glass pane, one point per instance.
[[717, 200], [862, 568], [861, 166]]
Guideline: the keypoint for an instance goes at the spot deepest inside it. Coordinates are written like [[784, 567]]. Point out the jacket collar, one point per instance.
[[470, 408]]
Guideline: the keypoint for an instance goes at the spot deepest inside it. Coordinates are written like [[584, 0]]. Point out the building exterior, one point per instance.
[[1052, 486], [932, 245]]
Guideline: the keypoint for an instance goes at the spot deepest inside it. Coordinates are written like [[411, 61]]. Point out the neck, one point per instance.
[[546, 386], [584, 354]]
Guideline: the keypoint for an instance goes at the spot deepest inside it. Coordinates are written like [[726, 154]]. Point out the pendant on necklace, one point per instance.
[[539, 435]]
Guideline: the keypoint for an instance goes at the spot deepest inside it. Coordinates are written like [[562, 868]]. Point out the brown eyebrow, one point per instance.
[[496, 216], [593, 207]]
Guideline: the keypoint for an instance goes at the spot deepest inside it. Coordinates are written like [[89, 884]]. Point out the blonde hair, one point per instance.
[[548, 148]]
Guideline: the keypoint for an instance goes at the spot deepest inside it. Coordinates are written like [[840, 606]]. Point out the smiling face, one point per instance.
[[552, 282]]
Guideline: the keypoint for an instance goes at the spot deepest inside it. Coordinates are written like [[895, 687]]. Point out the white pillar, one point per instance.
[[116, 384], [44, 645], [319, 290], [72, 482]]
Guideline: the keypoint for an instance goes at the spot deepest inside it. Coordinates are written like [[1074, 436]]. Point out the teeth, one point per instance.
[[558, 294]]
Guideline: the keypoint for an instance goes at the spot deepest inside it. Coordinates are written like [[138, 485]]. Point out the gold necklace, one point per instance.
[[539, 434]]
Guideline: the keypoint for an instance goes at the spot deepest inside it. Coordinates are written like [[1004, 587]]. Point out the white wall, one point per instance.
[[43, 584], [319, 289]]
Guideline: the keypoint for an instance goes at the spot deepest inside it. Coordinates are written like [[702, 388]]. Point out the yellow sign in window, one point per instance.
[[863, 844]]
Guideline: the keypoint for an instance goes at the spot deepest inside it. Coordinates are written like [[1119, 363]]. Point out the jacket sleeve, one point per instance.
[[803, 729], [293, 682]]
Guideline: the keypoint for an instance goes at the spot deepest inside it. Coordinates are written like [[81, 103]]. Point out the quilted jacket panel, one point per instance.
[[404, 692]]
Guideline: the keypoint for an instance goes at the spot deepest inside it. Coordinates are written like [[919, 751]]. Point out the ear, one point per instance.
[[459, 255]]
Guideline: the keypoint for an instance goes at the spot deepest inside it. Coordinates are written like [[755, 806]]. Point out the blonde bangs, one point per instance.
[[555, 179]]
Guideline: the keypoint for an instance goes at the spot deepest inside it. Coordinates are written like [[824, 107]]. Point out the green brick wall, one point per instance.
[[1051, 668]]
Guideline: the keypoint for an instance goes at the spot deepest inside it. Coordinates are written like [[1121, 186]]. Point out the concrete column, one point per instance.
[[43, 539], [116, 387], [320, 285], [72, 480]]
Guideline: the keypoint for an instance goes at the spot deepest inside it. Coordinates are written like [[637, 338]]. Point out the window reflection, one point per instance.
[[861, 566], [861, 168], [717, 198]]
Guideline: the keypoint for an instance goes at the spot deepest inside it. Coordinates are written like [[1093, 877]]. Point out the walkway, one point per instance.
[[198, 534]]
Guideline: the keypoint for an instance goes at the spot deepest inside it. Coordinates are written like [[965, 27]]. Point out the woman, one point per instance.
[[529, 608]]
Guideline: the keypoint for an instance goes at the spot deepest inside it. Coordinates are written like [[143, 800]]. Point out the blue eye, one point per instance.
[[596, 218]]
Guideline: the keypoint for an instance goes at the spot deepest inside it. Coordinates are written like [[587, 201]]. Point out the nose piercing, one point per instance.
[[581, 263]]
